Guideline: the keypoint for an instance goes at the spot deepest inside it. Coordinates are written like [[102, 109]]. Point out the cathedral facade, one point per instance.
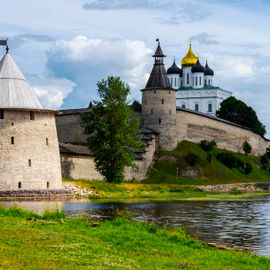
[[193, 83]]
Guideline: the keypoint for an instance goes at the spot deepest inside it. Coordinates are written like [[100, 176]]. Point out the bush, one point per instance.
[[192, 159], [264, 160], [246, 148], [207, 146], [209, 157], [268, 152], [248, 168], [227, 159]]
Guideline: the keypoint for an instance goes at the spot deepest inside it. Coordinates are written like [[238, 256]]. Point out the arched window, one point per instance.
[[48, 184], [171, 81], [181, 83], [183, 106], [196, 107], [205, 82], [174, 81], [196, 80], [209, 107], [188, 78], [200, 80], [20, 185], [209, 82]]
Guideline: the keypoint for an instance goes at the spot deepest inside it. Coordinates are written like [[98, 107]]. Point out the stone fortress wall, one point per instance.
[[190, 125], [194, 126], [29, 156]]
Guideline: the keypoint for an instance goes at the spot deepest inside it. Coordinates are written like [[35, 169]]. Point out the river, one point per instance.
[[241, 223]]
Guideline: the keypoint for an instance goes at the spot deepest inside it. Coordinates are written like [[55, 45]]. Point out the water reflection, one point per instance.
[[240, 223]]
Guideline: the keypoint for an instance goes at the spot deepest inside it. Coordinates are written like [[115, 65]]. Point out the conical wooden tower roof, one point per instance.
[[15, 91]]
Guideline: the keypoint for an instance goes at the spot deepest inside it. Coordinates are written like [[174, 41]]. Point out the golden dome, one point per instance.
[[190, 59]]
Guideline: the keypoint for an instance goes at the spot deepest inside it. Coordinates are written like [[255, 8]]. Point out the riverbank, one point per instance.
[[51, 241], [101, 190]]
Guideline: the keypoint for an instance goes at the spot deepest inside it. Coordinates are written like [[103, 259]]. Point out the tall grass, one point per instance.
[[21, 213]]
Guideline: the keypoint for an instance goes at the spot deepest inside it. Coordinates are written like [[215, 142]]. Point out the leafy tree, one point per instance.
[[192, 159], [246, 148], [207, 145], [112, 129], [268, 152], [238, 112]]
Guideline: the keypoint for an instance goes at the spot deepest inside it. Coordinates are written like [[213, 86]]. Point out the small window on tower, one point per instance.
[[162, 101], [12, 140], [154, 91], [188, 78], [32, 116], [170, 112], [48, 184], [2, 114], [209, 107], [196, 80], [174, 81], [29, 162], [47, 141], [20, 185], [209, 82], [205, 82], [159, 121], [152, 111], [200, 80], [196, 107]]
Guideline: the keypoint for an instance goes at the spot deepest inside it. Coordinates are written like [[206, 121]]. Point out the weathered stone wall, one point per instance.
[[69, 128], [83, 166], [159, 114], [33, 159], [195, 127]]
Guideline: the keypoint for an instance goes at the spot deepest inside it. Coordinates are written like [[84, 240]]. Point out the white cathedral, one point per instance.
[[194, 85]]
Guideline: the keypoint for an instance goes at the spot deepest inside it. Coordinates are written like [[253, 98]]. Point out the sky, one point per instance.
[[65, 47]]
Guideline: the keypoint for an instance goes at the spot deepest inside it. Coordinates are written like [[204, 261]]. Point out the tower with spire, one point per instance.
[[193, 83], [159, 104], [29, 156]]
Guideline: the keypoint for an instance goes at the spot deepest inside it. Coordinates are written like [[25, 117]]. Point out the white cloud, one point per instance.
[[86, 61], [50, 91]]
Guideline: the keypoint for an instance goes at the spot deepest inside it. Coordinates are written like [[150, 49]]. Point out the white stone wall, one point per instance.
[[34, 157], [198, 80], [174, 80], [202, 97]]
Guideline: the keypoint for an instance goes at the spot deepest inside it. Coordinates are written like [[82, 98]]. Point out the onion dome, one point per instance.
[[15, 91], [190, 59], [198, 67], [208, 70], [174, 69]]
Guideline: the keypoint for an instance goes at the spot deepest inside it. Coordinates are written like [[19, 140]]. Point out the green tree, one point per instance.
[[246, 148], [238, 112], [113, 130]]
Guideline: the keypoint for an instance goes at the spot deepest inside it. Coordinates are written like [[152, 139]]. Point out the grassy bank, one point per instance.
[[152, 192], [205, 171], [117, 244]]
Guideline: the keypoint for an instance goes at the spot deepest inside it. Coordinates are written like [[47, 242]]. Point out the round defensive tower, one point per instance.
[[29, 151], [159, 104]]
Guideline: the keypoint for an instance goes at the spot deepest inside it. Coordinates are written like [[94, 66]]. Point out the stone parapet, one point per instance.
[[36, 193]]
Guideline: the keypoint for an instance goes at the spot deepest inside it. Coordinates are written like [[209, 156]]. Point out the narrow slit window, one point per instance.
[[196, 80], [2, 115], [175, 81], [48, 184], [170, 112], [29, 162], [152, 111], [47, 141], [196, 107], [188, 78], [162, 101], [32, 115], [200, 80], [159, 121], [12, 140], [20, 185], [209, 107]]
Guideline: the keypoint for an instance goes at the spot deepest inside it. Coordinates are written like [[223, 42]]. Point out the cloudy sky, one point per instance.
[[64, 47]]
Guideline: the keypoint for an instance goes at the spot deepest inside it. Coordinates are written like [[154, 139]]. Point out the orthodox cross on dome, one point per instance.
[[3, 42]]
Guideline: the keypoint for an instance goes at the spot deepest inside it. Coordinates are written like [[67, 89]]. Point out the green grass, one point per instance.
[[117, 244], [164, 170]]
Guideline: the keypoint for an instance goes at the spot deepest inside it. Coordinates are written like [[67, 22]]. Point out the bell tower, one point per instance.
[[159, 104]]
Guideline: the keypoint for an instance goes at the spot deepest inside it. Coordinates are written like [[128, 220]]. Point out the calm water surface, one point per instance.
[[243, 223]]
